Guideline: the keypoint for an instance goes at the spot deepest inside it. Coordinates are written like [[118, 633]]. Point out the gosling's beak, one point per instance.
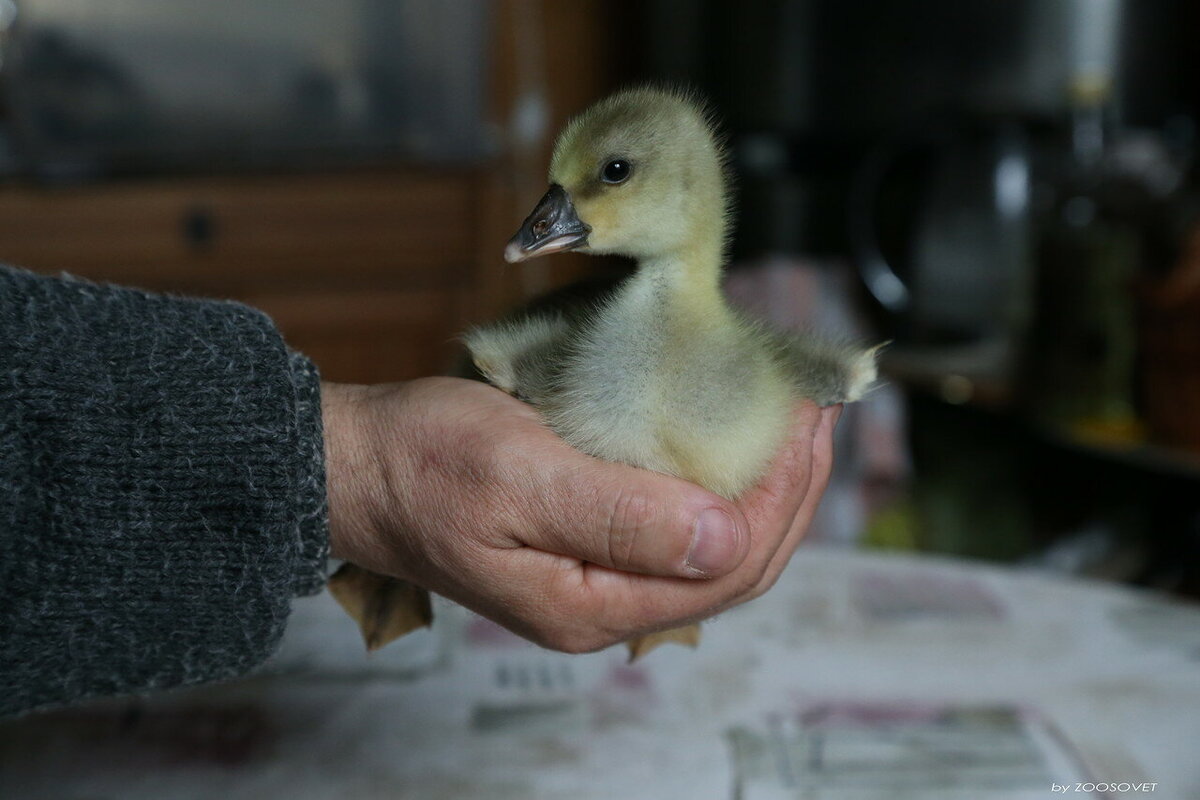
[[551, 228]]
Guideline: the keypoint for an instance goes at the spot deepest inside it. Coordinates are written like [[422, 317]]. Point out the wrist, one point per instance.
[[350, 467]]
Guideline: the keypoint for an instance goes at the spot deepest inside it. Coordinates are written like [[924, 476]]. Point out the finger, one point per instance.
[[771, 506], [562, 603], [780, 511], [648, 523], [822, 469], [619, 601], [633, 520]]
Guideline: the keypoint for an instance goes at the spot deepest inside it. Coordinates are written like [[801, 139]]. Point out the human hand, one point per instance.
[[456, 487]]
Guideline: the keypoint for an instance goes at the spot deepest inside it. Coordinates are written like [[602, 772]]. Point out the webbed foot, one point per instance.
[[688, 636], [384, 608]]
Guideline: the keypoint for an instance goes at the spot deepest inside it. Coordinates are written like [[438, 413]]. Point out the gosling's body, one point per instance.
[[658, 379], [662, 373]]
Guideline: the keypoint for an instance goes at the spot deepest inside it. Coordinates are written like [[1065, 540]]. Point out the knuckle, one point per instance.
[[565, 633], [632, 514], [572, 641], [575, 636], [747, 584], [579, 645], [473, 457], [759, 589], [549, 636], [482, 467], [766, 581], [492, 446]]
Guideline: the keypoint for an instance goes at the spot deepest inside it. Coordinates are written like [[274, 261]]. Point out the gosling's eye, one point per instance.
[[616, 171]]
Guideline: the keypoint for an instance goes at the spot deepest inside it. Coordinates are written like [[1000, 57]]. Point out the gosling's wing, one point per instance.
[[524, 352], [827, 372], [516, 355]]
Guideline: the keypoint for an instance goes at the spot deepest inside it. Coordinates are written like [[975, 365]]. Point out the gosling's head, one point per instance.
[[638, 174]]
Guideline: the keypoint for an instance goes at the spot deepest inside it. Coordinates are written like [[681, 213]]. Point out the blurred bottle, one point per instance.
[[1083, 344], [1170, 327]]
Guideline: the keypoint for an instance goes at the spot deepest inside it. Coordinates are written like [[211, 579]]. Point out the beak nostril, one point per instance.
[[551, 227]]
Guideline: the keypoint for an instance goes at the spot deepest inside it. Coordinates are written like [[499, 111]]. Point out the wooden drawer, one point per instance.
[[368, 274], [227, 236], [369, 337]]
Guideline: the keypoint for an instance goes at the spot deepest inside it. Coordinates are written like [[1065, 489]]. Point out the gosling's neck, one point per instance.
[[687, 278]]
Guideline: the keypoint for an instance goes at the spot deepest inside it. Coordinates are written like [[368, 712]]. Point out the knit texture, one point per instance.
[[162, 490]]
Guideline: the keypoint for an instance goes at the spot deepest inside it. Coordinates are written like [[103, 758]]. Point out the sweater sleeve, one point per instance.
[[162, 490]]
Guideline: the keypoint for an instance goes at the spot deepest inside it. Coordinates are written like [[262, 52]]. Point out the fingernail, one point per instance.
[[714, 542], [835, 413]]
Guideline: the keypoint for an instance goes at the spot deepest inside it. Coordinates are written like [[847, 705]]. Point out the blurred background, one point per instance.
[[1004, 190]]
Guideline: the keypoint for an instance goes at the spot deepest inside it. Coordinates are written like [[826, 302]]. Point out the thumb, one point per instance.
[[636, 520]]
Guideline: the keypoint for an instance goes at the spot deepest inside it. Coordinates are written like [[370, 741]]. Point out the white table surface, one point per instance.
[[859, 676]]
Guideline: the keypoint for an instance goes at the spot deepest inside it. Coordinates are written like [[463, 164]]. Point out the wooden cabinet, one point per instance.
[[382, 228], [370, 273]]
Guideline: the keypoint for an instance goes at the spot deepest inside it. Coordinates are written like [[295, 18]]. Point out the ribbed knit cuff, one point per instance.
[[312, 548], [162, 489]]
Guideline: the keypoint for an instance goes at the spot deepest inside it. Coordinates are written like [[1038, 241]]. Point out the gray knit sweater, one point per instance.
[[162, 490]]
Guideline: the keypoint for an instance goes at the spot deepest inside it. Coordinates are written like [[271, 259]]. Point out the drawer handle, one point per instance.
[[199, 228]]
